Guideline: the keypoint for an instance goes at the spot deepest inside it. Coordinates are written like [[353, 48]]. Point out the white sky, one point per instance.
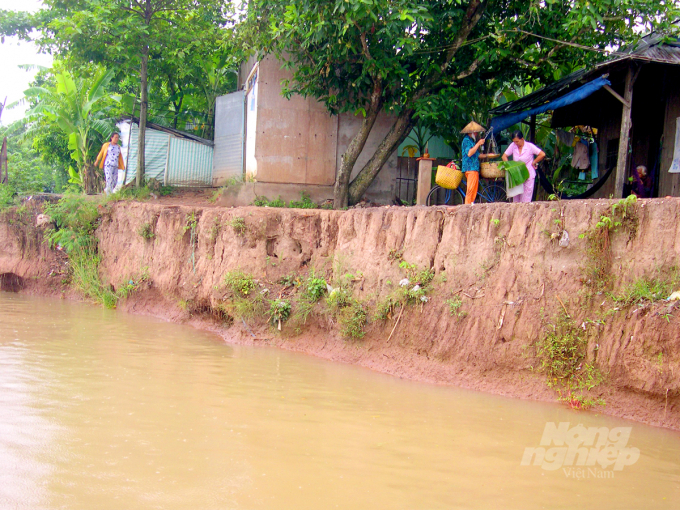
[[13, 81]]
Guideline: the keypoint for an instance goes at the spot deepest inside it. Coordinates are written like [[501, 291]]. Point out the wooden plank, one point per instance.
[[624, 138], [616, 95]]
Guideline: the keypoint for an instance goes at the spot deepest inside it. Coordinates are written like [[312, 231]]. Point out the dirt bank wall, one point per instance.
[[502, 280]]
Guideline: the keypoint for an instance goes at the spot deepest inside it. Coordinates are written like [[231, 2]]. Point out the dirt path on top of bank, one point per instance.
[[501, 265]]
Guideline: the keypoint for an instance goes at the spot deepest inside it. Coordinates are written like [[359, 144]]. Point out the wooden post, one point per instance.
[[532, 129], [624, 137], [424, 180]]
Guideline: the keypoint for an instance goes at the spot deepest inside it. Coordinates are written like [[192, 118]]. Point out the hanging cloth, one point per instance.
[[594, 160], [580, 160], [565, 137], [675, 165]]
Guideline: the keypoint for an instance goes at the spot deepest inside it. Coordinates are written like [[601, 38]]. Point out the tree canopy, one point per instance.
[[168, 46]]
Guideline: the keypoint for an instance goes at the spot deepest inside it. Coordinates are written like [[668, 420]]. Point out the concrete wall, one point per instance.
[[383, 189], [296, 138]]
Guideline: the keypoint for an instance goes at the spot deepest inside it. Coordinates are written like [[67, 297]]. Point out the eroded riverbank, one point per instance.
[[502, 281]]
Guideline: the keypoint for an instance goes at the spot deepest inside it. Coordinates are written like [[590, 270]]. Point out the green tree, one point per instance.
[[28, 173], [151, 38], [404, 57], [77, 107]]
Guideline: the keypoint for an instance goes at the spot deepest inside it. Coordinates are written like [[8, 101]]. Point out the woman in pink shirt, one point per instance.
[[529, 154]]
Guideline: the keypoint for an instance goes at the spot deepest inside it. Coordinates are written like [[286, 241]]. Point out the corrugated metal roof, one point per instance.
[[652, 48], [655, 47], [171, 131]]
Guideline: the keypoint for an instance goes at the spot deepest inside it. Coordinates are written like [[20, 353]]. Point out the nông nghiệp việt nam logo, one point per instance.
[[562, 446]]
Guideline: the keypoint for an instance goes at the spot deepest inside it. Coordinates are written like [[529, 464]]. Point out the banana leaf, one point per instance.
[[516, 172]]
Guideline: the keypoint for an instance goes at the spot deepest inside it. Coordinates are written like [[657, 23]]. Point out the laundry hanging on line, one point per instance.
[[581, 159]]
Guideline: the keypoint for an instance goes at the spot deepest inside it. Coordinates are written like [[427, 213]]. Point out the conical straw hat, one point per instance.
[[472, 127]]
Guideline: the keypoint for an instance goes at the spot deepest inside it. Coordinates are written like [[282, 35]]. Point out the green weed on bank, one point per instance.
[[76, 220]]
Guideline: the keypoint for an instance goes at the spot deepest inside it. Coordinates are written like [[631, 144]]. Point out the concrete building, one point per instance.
[[286, 146]]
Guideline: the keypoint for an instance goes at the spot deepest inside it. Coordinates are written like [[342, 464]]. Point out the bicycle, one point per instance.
[[487, 193]]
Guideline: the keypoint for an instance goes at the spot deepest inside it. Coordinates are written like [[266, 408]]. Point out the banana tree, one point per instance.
[[78, 108]]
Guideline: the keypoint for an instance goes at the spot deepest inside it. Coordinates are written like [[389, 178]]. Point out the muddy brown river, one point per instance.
[[103, 410]]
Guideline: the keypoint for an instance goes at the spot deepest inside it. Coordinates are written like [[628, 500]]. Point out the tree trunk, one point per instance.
[[143, 112], [92, 179], [397, 134], [350, 156]]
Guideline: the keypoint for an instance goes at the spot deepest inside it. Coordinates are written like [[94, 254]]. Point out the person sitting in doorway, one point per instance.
[[642, 183]]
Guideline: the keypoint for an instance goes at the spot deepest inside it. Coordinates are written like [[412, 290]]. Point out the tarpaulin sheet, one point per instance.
[[505, 121]]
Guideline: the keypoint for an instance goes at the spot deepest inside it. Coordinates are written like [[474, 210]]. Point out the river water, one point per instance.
[[103, 410]]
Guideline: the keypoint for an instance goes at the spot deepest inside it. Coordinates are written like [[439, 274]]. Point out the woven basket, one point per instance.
[[448, 177], [490, 170]]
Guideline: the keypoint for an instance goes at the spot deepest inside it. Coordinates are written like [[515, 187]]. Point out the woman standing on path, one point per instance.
[[530, 155], [470, 153], [111, 160]]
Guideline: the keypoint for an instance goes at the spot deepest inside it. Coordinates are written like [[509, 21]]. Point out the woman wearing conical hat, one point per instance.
[[470, 152]]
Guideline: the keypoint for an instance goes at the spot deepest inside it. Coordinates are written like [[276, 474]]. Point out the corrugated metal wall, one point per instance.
[[173, 161], [156, 153], [190, 163], [229, 136]]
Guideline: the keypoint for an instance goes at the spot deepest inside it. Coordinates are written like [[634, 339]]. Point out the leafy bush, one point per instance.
[[7, 196], [650, 289], [84, 267], [239, 282], [245, 307], [353, 320], [76, 220], [279, 311], [305, 202], [315, 288], [386, 307], [263, 201], [146, 231], [239, 226], [289, 280], [338, 299], [131, 193], [455, 304], [563, 357]]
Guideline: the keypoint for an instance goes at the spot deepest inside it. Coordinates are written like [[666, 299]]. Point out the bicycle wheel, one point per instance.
[[442, 196], [494, 192]]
